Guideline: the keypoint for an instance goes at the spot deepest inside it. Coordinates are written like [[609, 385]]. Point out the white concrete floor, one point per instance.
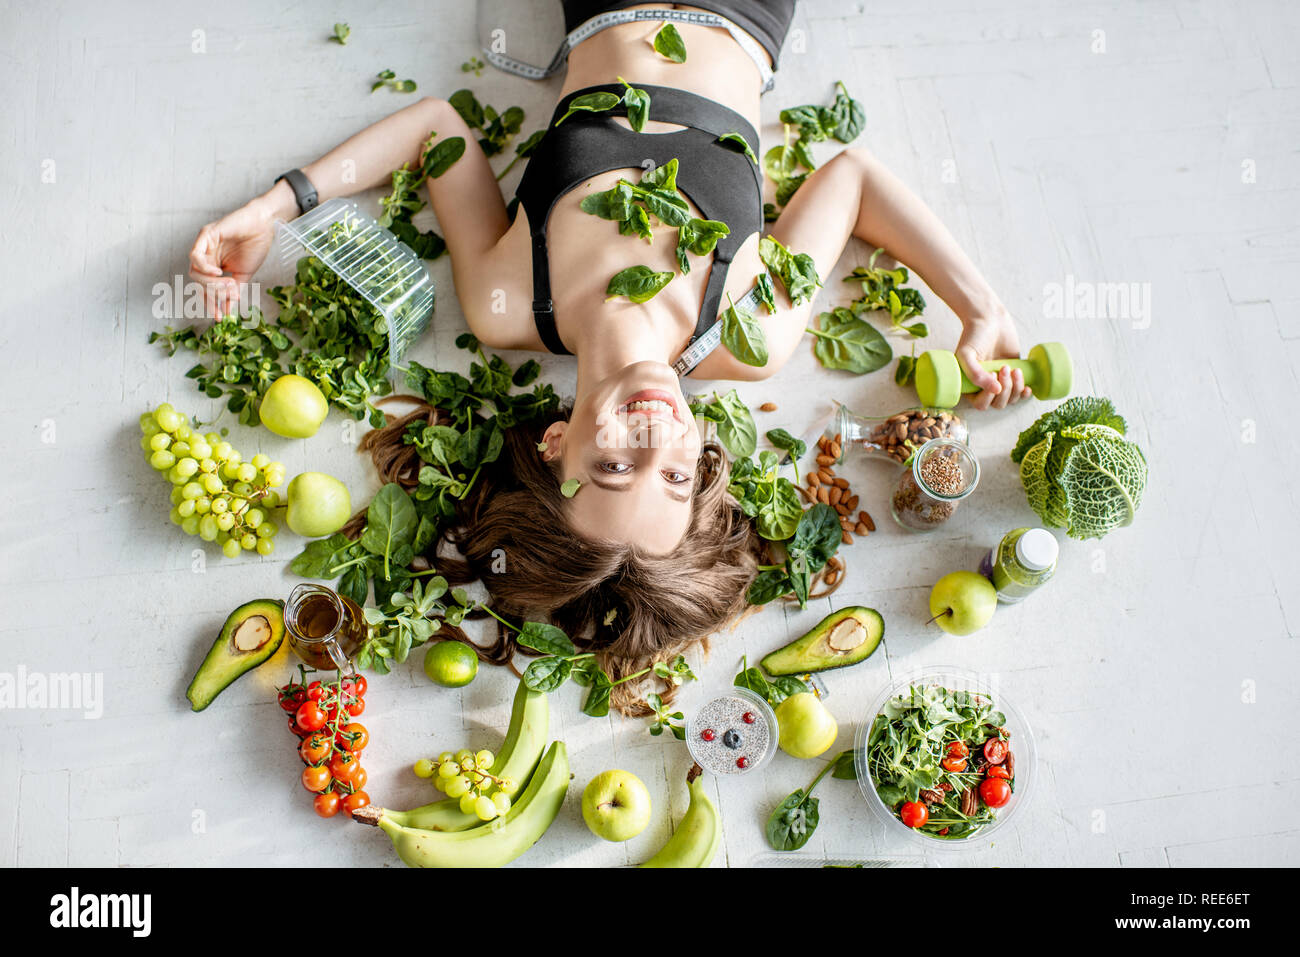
[[1085, 142]]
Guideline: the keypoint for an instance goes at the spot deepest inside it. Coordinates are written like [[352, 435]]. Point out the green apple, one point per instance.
[[293, 407], [807, 728], [963, 602], [319, 504], [616, 805]]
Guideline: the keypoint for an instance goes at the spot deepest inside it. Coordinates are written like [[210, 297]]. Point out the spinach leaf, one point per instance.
[[779, 518], [906, 371], [698, 236], [469, 108], [596, 704], [547, 674], [846, 118], [787, 442], [390, 524], [766, 292], [341, 33], [797, 272], [742, 334], [320, 557], [590, 103], [845, 341], [818, 535], [669, 43], [792, 823], [768, 585], [736, 429], [736, 140], [661, 177], [638, 106], [443, 156], [638, 283], [546, 638]]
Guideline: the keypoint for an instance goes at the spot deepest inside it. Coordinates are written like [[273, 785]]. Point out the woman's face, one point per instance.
[[633, 445]]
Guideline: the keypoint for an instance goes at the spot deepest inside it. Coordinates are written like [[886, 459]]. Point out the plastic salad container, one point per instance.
[[371, 260], [1020, 741]]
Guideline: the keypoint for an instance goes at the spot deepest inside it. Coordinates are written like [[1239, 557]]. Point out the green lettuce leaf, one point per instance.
[[1102, 480], [1080, 410]]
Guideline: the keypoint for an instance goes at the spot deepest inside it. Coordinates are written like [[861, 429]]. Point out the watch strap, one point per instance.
[[303, 191]]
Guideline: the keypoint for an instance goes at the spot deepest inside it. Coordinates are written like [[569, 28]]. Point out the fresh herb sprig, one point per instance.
[[844, 120], [733, 421], [497, 127], [883, 290], [387, 78]]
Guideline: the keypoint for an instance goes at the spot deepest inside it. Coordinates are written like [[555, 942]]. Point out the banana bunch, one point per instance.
[[441, 835], [695, 842]]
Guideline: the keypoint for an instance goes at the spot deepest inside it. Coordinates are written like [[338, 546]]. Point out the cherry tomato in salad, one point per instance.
[[355, 801], [315, 748], [914, 814], [958, 749], [954, 763], [316, 779], [309, 716], [327, 804], [995, 792], [995, 750], [353, 737], [998, 771]]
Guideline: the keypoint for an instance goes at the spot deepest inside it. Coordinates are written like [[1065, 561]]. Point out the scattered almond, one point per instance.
[[851, 502], [846, 538], [824, 495], [861, 528], [841, 483], [814, 479], [826, 459], [767, 407]]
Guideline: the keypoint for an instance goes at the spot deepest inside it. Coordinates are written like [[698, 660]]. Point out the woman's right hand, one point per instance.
[[228, 252]]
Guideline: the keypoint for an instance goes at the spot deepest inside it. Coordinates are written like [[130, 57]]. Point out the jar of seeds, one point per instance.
[[895, 436], [944, 471]]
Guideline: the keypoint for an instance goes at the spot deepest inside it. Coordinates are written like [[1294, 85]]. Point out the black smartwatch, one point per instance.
[[303, 191]]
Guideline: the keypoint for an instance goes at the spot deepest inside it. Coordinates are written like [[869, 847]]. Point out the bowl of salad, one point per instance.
[[943, 757]]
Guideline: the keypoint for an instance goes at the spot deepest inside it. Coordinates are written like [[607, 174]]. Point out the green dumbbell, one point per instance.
[[941, 381]]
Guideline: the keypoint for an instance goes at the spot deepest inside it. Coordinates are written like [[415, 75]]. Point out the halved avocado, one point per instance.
[[842, 638], [249, 637]]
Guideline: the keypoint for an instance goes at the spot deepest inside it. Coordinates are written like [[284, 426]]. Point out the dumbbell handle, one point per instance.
[[1027, 368]]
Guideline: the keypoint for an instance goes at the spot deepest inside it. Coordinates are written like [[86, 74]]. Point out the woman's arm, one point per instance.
[[466, 200], [855, 195]]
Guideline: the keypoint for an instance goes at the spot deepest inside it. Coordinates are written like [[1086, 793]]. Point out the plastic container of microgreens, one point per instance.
[[371, 260]]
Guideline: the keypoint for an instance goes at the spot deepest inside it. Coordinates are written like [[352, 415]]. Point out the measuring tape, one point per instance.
[[711, 338], [616, 17]]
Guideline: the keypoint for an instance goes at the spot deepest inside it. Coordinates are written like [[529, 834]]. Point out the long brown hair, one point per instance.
[[633, 609]]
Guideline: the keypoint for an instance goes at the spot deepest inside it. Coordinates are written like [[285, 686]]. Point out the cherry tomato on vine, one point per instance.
[[954, 763], [315, 748], [315, 779], [995, 750], [353, 737], [998, 771], [344, 766], [360, 779], [293, 726], [914, 814], [291, 696], [359, 686], [327, 804], [309, 716], [355, 707], [995, 792], [355, 801]]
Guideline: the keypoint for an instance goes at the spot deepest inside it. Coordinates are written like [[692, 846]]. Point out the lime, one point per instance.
[[452, 664]]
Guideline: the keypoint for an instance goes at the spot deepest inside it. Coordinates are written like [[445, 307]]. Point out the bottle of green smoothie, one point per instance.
[[1023, 560]]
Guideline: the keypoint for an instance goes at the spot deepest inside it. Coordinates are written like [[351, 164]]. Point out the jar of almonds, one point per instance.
[[944, 472], [895, 436]]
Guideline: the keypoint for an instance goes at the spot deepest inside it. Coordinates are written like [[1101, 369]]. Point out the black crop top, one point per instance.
[[717, 177]]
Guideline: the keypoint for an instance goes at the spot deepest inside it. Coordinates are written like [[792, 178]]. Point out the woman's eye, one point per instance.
[[676, 478], [615, 468]]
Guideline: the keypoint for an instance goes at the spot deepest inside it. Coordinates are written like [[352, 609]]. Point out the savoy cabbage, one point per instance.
[[1079, 471]]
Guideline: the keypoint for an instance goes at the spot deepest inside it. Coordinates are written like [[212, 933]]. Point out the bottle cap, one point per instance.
[[1037, 549]]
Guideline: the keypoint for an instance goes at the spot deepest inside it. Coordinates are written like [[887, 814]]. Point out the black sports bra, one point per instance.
[[720, 179]]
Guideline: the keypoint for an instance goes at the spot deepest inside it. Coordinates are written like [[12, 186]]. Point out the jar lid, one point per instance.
[[1037, 549]]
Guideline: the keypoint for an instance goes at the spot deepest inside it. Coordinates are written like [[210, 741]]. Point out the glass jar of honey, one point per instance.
[[325, 629]]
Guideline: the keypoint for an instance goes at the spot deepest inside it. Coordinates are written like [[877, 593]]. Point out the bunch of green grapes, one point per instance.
[[467, 776], [216, 495]]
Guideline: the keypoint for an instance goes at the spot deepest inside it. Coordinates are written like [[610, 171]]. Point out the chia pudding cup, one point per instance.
[[722, 740]]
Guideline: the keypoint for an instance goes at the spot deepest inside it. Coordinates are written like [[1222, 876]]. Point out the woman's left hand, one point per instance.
[[992, 337]]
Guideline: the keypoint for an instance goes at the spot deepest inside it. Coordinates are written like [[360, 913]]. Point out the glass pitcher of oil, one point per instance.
[[325, 629]]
